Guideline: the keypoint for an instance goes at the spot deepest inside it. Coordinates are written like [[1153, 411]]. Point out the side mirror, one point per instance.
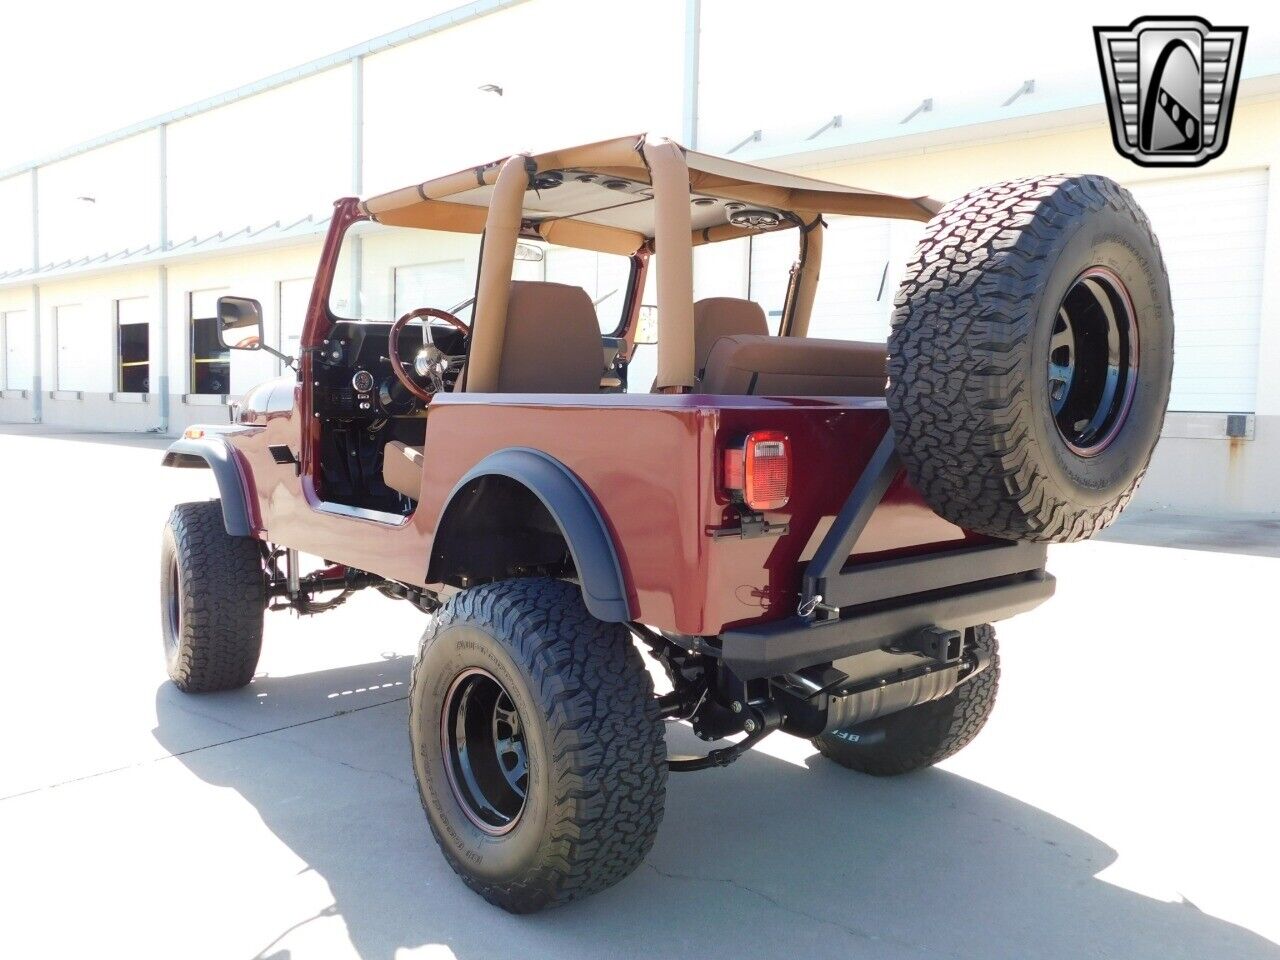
[[240, 323], [647, 326]]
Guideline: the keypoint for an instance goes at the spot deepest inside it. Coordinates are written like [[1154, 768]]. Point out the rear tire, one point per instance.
[[923, 735], [1030, 358], [559, 788], [212, 597]]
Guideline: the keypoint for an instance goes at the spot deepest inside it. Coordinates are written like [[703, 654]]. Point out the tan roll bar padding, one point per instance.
[[591, 236], [673, 248], [806, 281], [493, 289]]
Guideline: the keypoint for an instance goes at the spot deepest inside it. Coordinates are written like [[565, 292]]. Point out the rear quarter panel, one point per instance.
[[651, 462]]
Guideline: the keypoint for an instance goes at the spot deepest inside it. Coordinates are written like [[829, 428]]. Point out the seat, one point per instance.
[[716, 317], [552, 345], [402, 468], [795, 367]]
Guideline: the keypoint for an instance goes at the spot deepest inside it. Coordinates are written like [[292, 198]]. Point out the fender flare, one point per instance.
[[216, 455], [574, 510]]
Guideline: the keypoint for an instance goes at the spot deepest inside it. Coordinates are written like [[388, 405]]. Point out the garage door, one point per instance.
[[1211, 230], [79, 354], [862, 263], [19, 350]]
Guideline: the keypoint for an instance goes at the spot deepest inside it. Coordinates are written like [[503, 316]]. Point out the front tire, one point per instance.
[[923, 735], [212, 597], [537, 745]]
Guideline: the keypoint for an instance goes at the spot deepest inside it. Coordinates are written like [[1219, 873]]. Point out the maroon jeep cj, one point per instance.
[[807, 535]]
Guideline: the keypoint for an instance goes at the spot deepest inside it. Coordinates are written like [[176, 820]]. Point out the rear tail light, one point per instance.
[[758, 473]]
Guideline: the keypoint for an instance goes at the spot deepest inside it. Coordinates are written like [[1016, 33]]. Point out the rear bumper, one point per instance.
[[851, 608], [784, 646]]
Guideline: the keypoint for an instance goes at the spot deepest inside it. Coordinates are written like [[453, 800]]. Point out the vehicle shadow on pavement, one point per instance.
[[763, 859]]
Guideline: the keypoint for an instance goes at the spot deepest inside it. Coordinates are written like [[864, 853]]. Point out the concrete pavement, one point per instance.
[[1120, 804]]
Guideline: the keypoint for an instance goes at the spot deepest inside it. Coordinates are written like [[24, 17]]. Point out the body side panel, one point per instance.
[[649, 462]]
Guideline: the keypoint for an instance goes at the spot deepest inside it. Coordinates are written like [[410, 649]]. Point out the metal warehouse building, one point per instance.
[[114, 252]]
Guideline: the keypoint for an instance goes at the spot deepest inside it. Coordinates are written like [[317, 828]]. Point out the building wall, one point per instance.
[[86, 397], [1196, 467]]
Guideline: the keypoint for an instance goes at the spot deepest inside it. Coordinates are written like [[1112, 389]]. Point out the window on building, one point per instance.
[[19, 350], [76, 356], [210, 361], [133, 345]]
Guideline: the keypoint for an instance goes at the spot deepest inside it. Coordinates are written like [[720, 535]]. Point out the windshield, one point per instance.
[[384, 272]]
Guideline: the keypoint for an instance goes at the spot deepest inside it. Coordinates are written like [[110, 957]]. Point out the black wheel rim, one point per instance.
[[1093, 362], [173, 610], [484, 751]]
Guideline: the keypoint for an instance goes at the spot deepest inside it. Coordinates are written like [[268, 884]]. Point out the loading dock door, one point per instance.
[[1211, 229]]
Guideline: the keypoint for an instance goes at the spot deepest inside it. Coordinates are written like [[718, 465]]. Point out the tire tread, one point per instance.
[[223, 600], [607, 751], [959, 355]]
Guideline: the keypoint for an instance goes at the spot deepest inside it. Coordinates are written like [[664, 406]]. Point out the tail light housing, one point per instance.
[[758, 473]]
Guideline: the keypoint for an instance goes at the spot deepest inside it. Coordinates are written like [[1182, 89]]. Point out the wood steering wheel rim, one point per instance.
[[393, 346]]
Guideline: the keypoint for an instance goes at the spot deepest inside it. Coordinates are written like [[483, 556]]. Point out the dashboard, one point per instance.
[[353, 378]]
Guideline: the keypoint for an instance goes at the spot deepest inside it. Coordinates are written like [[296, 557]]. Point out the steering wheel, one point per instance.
[[431, 363]]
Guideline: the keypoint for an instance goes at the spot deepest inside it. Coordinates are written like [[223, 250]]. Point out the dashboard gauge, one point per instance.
[[362, 382]]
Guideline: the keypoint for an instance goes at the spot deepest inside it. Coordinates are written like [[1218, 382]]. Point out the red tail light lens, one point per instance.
[[759, 472]]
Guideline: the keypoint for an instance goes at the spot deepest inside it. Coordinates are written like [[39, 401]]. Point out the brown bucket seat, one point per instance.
[[551, 345]]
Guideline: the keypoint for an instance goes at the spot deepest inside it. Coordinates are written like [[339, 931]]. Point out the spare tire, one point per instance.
[[1030, 357]]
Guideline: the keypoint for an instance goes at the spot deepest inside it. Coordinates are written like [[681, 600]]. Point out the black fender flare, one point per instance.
[[574, 510], [215, 454]]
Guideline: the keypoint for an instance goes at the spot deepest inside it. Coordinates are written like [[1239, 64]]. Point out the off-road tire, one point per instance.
[[969, 379], [212, 625], [596, 754], [923, 735]]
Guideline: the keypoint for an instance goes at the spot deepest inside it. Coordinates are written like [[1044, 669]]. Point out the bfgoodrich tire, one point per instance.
[[537, 745], [212, 597], [1030, 357], [923, 735]]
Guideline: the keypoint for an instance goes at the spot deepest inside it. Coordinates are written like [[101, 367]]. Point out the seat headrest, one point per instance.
[[716, 317]]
